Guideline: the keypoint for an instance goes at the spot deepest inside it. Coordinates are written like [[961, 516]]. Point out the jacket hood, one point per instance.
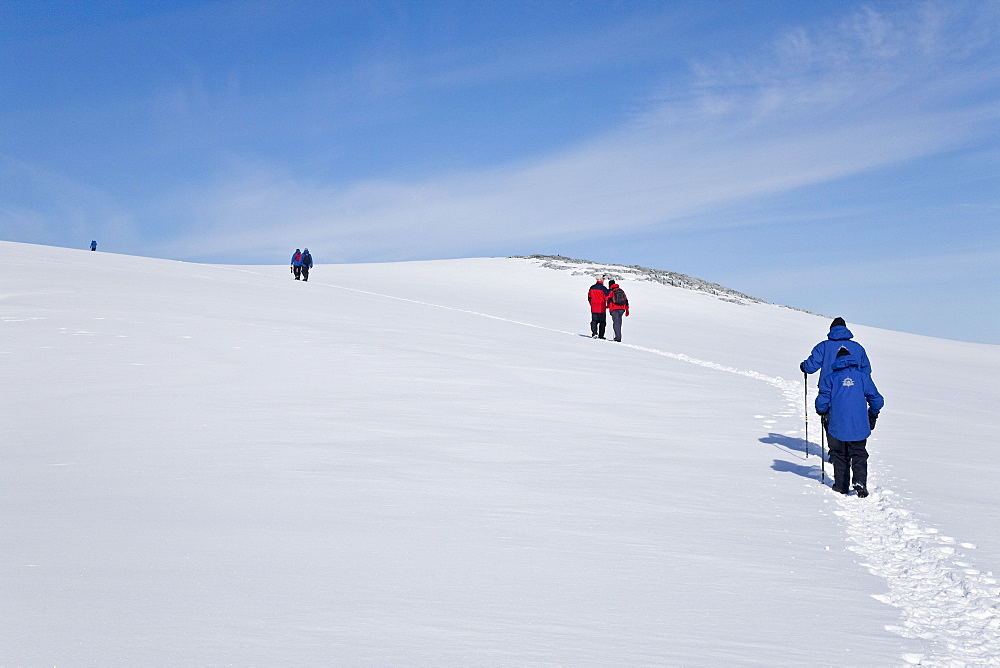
[[843, 362], [839, 333]]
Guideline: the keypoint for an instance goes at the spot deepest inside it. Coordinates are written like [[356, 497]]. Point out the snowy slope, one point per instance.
[[425, 463]]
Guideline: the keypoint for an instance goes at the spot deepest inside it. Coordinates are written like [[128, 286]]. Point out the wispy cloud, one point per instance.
[[634, 39], [822, 104]]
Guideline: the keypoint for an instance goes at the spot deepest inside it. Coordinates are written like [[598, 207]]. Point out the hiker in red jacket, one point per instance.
[[598, 298], [618, 304]]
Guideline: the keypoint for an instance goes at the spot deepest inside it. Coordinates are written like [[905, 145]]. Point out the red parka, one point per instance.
[[598, 298], [611, 293]]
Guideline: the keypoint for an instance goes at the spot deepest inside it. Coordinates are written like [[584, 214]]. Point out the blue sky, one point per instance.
[[836, 156]]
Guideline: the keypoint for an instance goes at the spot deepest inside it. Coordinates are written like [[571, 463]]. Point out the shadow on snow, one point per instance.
[[798, 447]]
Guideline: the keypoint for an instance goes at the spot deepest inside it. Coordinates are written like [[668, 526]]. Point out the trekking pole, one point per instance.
[[822, 453], [805, 391]]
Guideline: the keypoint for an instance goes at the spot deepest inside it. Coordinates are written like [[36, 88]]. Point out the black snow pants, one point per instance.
[[305, 273], [598, 323], [848, 457]]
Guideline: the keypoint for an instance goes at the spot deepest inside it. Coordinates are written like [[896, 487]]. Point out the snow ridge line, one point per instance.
[[947, 602]]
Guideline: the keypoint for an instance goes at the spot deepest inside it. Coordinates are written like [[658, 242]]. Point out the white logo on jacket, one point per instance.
[[848, 382]]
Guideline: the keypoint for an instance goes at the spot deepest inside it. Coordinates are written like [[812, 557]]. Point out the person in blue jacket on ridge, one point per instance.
[[307, 263], [849, 404], [823, 353], [297, 264]]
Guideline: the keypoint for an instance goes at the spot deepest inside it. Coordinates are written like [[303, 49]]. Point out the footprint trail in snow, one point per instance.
[[943, 599]]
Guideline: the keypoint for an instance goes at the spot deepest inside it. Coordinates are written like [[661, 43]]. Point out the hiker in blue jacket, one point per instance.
[[823, 353], [307, 263], [297, 264], [849, 404]]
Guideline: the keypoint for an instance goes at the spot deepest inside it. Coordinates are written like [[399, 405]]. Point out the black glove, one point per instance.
[[802, 367], [825, 419], [872, 417]]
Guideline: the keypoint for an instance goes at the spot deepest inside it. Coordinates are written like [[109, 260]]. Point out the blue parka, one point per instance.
[[849, 394], [307, 259], [825, 352], [297, 258]]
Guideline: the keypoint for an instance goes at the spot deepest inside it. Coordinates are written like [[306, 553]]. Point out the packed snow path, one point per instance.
[[943, 598], [947, 603]]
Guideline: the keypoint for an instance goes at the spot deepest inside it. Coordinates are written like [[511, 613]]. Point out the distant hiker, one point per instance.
[[93, 245], [823, 353], [307, 263], [618, 304], [297, 264], [849, 403], [598, 298]]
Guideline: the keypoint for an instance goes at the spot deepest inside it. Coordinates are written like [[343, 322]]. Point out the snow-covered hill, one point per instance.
[[427, 463], [580, 267]]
